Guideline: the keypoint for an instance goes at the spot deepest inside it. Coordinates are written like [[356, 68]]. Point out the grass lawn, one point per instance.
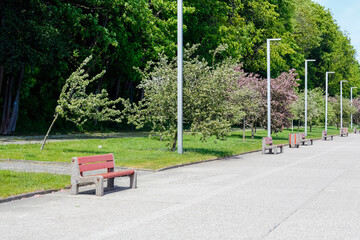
[[142, 152], [14, 183]]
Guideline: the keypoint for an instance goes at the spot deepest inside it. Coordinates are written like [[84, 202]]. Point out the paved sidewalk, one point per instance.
[[36, 166], [307, 193]]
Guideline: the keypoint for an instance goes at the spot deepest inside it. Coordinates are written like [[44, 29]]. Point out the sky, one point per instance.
[[346, 14]]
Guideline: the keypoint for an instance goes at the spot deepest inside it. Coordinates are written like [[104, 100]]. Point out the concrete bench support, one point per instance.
[[267, 144], [325, 136], [303, 140]]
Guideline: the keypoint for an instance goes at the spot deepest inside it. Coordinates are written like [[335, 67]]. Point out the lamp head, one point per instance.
[[274, 39], [310, 60], [329, 72]]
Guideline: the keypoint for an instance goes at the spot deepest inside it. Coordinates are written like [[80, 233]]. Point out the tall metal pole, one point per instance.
[[341, 108], [180, 76], [326, 98], [351, 105], [306, 68], [268, 85]]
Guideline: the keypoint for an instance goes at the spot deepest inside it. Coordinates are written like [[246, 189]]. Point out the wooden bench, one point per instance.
[[267, 144], [344, 132], [326, 137], [82, 172], [303, 140]]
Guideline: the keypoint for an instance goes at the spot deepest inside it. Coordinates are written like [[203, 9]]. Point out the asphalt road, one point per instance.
[[307, 193]]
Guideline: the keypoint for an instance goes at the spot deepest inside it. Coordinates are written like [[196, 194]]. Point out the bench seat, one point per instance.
[[115, 174]]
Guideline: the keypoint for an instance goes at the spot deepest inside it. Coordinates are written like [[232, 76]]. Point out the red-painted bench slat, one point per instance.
[[99, 158], [117, 174], [268, 140], [95, 166]]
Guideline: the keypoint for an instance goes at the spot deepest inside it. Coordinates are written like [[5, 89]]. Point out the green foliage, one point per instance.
[[346, 113], [205, 97], [77, 106], [315, 107], [51, 38]]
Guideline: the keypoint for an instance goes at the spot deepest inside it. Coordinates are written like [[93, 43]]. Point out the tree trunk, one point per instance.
[[174, 143], [298, 125], [7, 104], [244, 130], [1, 77], [47, 134], [15, 110], [310, 127], [252, 131], [117, 88]]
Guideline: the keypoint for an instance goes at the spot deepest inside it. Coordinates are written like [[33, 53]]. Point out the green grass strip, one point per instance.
[[146, 153], [14, 183]]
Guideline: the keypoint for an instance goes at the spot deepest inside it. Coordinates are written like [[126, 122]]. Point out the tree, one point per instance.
[[206, 95], [77, 106], [315, 107], [282, 96], [347, 111], [246, 98], [356, 115]]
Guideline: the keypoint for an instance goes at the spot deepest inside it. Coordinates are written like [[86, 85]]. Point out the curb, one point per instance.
[[204, 161], [28, 195]]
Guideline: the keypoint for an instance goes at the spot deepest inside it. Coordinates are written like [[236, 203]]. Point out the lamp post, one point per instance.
[[180, 76], [351, 103], [326, 98], [341, 108], [268, 84], [306, 68]]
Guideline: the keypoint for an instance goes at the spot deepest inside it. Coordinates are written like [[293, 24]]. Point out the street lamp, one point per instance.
[[306, 61], [326, 98], [351, 103], [180, 76], [341, 111], [268, 84]]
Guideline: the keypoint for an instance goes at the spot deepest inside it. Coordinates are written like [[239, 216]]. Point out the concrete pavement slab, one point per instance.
[[305, 193]]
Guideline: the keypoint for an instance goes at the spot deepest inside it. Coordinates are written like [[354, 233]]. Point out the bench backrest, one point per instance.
[[302, 135], [267, 140], [97, 162]]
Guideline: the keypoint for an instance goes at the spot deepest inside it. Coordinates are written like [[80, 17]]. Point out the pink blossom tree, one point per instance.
[[283, 94]]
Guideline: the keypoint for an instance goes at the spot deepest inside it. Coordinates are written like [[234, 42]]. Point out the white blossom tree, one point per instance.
[[78, 106]]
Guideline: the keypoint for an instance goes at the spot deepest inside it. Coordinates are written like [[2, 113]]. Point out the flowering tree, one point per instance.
[[247, 99], [206, 95], [282, 96], [315, 107], [347, 110], [77, 106], [356, 115]]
